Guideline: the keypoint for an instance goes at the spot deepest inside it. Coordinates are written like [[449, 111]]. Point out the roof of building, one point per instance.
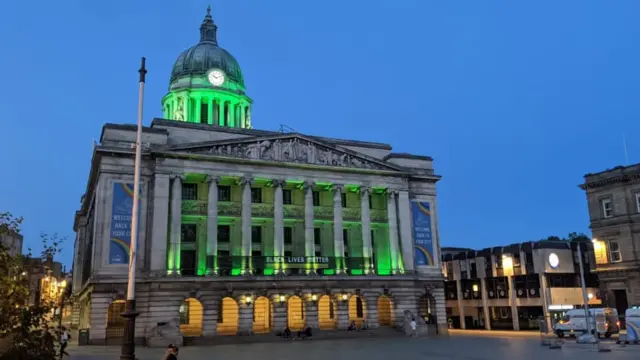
[[527, 246]]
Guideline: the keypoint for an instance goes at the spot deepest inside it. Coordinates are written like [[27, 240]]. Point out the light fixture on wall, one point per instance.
[[345, 297], [590, 296], [314, 297], [248, 299], [475, 287], [282, 298]]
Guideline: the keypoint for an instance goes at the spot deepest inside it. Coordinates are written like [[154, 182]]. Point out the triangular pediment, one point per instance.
[[286, 148]]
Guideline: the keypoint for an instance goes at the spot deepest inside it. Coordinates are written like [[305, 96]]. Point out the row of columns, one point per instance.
[[397, 232], [238, 112]]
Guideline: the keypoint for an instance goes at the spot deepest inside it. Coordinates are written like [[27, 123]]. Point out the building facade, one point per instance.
[[12, 241], [513, 287], [247, 231], [613, 197]]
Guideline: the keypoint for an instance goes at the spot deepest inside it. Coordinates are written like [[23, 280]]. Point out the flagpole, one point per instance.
[[128, 350]]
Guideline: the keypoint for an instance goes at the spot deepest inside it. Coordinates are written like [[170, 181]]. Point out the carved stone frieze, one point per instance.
[[292, 150], [352, 214], [323, 212], [377, 215], [294, 211]]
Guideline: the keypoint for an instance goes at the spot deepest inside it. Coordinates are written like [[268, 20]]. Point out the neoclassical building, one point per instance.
[[246, 231]]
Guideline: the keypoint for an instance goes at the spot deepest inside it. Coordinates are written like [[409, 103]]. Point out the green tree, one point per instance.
[[24, 327]]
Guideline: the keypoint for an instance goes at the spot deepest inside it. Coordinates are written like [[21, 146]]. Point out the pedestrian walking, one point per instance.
[[64, 341], [172, 353]]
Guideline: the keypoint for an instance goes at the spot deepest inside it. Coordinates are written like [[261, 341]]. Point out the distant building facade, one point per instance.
[[512, 287], [12, 241], [613, 197]]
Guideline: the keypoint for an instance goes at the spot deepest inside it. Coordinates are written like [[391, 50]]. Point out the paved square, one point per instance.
[[398, 348]]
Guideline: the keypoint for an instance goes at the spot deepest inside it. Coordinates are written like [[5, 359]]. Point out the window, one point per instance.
[[638, 202], [343, 197], [188, 233], [189, 191], [359, 308], [317, 236], [204, 113], [614, 251], [373, 239], [224, 193], [256, 253], [318, 253], [316, 198], [256, 195], [288, 235], [224, 234], [607, 208], [345, 237], [223, 253], [286, 197], [370, 202], [287, 253], [256, 234]]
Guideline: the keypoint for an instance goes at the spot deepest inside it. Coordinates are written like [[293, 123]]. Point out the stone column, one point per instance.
[[278, 222], [311, 314], [210, 119], [367, 251], [242, 115], [546, 299], [441, 311], [342, 314], [309, 244], [232, 114], [212, 225], [246, 223], [221, 118], [485, 304], [187, 106], [393, 230], [460, 304], [158, 248], [513, 303], [404, 207], [174, 106], [338, 240], [176, 223], [279, 316]]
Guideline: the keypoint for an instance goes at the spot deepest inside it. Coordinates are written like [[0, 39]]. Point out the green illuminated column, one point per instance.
[[242, 115], [393, 230], [210, 110], [212, 225], [309, 244], [338, 239], [198, 112], [366, 229], [221, 118], [174, 105], [187, 111], [245, 182], [247, 120], [173, 265], [278, 222], [232, 114]]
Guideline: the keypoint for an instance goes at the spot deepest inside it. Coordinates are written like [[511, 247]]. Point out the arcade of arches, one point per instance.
[[273, 314]]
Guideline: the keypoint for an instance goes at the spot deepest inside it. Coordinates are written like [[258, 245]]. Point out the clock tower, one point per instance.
[[206, 85]]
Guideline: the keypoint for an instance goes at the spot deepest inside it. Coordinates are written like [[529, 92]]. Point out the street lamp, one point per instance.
[[128, 350]]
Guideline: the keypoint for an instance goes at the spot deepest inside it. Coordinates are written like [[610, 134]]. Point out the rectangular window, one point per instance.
[[370, 202], [204, 113], [373, 239], [316, 236], [288, 235], [189, 233], [318, 253], [224, 234], [286, 197], [256, 195], [345, 237], [288, 253], [614, 251], [638, 202], [607, 208], [189, 191], [256, 253], [343, 197], [256, 234], [224, 193], [316, 198]]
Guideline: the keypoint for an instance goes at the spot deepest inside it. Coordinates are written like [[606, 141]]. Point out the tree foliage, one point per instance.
[[573, 236], [26, 328]]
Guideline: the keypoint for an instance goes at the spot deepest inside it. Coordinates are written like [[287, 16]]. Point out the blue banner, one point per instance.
[[120, 232], [423, 239]]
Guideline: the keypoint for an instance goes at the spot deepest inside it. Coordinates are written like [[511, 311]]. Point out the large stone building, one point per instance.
[[614, 211], [250, 231], [513, 287], [12, 241]]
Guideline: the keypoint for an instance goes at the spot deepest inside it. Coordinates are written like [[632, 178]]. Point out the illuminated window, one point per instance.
[[614, 251], [607, 208]]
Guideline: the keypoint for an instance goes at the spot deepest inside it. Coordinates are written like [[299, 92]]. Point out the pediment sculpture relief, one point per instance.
[[293, 150]]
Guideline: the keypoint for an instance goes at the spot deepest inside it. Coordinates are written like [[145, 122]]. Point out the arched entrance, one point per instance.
[[262, 315], [191, 317], [385, 311], [357, 311], [228, 317], [426, 309], [295, 314], [115, 322], [326, 313]]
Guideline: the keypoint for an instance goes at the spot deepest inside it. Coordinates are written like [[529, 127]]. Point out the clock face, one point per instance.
[[554, 261], [216, 77]]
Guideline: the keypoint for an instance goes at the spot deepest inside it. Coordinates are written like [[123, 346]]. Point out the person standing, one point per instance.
[[172, 353], [64, 341], [413, 328]]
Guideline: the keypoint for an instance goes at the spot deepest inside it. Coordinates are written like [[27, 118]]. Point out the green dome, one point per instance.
[[207, 55]]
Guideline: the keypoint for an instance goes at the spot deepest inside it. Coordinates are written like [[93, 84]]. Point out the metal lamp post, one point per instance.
[[128, 343], [589, 336]]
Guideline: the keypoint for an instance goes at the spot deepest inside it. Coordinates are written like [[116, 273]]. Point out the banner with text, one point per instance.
[[120, 232], [423, 239]]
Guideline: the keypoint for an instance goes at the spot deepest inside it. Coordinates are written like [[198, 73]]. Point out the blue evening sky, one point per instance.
[[514, 100]]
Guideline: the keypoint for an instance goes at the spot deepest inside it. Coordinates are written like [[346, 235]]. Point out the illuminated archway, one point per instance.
[[261, 315], [228, 317], [115, 322], [191, 317], [295, 314], [385, 311], [357, 310], [326, 313]]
